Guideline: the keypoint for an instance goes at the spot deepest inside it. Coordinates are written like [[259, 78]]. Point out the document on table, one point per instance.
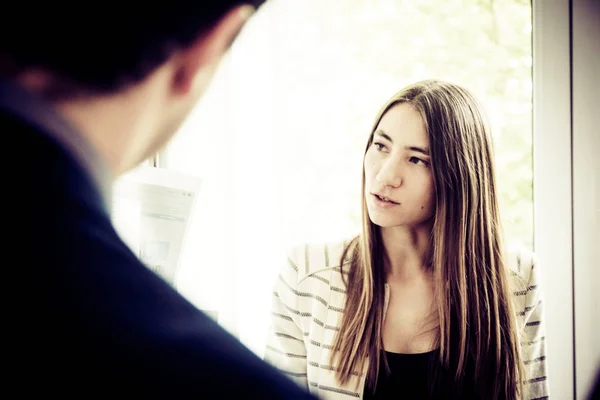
[[151, 211]]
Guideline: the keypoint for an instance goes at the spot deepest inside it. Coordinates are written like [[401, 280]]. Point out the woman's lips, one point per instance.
[[383, 202]]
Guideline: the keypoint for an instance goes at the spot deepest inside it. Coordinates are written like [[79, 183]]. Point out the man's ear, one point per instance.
[[208, 48]]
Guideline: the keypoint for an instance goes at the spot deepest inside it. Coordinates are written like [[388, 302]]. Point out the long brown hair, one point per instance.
[[477, 338]]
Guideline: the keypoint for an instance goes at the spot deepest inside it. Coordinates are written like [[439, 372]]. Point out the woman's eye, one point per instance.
[[379, 146], [416, 160]]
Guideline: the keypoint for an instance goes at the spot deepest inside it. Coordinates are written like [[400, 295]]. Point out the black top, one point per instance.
[[84, 317], [415, 377], [408, 377]]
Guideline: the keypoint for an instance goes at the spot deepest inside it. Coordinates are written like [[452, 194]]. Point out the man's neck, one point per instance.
[[113, 124]]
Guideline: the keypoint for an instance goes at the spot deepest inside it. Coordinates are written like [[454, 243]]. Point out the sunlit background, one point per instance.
[[278, 139]]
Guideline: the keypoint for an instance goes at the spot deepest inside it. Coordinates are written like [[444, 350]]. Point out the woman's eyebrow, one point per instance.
[[419, 149], [383, 135]]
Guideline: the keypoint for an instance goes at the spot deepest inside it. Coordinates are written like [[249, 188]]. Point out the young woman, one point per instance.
[[426, 302]]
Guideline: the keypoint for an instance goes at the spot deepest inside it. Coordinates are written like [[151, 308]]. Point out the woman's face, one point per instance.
[[398, 177]]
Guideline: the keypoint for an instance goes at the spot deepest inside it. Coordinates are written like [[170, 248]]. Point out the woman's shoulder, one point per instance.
[[522, 266], [313, 258]]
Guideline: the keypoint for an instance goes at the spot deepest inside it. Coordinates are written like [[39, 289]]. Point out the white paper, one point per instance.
[[151, 212]]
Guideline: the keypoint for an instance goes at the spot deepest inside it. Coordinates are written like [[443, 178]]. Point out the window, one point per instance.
[[278, 138]]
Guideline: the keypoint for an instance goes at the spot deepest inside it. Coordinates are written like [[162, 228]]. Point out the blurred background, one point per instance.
[[278, 140]]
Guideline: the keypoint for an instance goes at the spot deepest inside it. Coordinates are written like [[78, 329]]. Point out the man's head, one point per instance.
[[126, 77]]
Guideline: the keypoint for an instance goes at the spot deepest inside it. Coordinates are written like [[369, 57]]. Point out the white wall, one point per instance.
[[586, 190]]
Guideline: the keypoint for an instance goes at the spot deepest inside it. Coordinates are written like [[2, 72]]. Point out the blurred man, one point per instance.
[[84, 97]]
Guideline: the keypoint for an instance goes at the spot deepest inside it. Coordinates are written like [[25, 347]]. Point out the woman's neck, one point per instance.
[[406, 251]]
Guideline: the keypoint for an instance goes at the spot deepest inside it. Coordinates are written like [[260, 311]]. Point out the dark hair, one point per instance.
[[477, 333], [101, 46]]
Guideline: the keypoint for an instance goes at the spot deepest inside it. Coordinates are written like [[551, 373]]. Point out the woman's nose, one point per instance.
[[390, 174]]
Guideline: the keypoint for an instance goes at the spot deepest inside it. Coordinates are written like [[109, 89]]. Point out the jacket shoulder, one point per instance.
[[314, 258]]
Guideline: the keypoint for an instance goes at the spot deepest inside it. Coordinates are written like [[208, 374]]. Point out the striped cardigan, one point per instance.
[[308, 305]]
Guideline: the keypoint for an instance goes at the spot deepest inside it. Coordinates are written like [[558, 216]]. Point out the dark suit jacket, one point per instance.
[[86, 318]]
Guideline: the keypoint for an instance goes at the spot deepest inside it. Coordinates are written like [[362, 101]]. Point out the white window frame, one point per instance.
[[566, 189]]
